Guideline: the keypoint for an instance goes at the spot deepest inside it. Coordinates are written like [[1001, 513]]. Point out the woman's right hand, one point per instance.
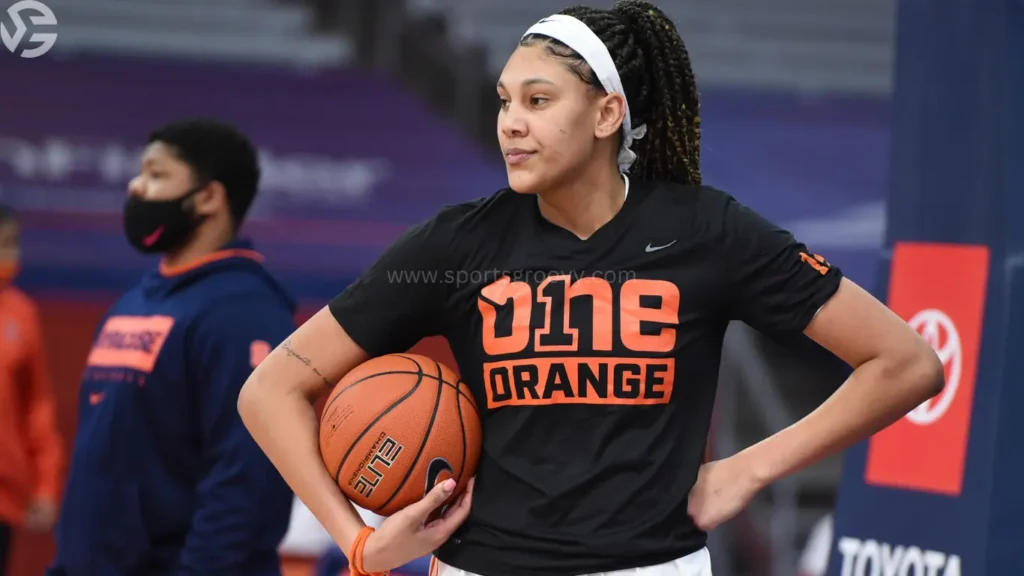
[[406, 535]]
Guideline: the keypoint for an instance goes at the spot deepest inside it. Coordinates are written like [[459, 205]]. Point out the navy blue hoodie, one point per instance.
[[165, 479]]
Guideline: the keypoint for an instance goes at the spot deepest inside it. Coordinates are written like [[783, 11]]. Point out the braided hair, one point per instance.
[[654, 66]]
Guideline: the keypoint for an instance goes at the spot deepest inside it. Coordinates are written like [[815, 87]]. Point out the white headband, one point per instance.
[[581, 38]]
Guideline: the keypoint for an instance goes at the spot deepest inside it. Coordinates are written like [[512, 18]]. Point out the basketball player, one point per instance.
[[596, 381], [31, 448], [164, 477]]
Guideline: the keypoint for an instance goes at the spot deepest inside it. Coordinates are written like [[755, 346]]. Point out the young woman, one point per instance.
[[601, 284]]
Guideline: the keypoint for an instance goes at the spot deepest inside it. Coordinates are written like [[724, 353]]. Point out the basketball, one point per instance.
[[394, 427]]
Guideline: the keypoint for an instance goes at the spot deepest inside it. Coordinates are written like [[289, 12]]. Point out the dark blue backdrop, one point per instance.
[[956, 178]]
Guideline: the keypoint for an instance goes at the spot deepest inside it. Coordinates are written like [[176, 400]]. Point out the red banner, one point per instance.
[[939, 289]]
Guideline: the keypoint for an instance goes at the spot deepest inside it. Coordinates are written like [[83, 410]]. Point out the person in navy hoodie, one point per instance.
[[164, 478]]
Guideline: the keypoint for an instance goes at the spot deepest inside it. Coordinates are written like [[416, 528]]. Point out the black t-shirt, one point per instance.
[[594, 362]]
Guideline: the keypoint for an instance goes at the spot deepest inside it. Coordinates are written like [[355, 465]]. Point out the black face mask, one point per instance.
[[159, 226]]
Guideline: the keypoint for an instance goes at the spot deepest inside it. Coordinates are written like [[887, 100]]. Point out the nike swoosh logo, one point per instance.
[[436, 467], [152, 238], [656, 248]]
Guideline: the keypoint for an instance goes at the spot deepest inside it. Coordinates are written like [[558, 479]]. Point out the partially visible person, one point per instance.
[[306, 537], [333, 562], [30, 444], [814, 560], [165, 479]]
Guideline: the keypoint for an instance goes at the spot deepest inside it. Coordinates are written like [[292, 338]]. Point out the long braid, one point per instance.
[[656, 74]]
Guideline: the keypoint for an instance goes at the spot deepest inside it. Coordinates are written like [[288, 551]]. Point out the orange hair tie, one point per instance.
[[355, 557]]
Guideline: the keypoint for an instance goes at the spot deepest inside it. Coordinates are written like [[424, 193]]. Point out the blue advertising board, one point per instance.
[[939, 493]]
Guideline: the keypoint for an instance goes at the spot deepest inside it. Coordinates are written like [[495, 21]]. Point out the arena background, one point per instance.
[[372, 113]]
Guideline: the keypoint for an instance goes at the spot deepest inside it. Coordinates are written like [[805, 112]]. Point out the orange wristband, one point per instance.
[[355, 557], [356, 552]]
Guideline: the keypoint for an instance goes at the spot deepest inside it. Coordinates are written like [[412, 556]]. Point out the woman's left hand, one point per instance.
[[723, 488]]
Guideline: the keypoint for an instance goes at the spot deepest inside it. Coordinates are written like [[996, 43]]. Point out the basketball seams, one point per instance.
[[335, 394], [462, 429], [467, 396], [396, 372], [401, 414], [355, 442], [440, 379], [426, 433]]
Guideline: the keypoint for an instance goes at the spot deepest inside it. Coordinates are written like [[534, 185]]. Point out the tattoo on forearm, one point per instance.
[[287, 347]]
